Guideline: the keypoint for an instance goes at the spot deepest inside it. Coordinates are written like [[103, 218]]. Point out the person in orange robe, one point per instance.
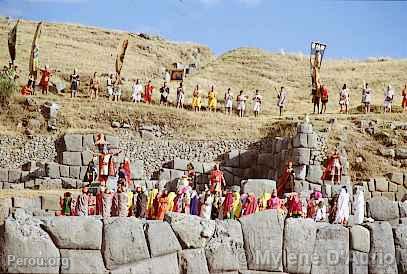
[[217, 180], [148, 92], [162, 205], [285, 178]]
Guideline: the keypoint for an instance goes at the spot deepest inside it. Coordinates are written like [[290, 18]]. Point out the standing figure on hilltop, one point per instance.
[[137, 88], [165, 92], [367, 94], [75, 81], [109, 86], [344, 100], [282, 97], [196, 99], [45, 77], [257, 100], [404, 96], [315, 69], [212, 101], [148, 93], [316, 97], [228, 102], [286, 180], [180, 96], [94, 86], [217, 180], [324, 98], [333, 168], [241, 103], [388, 99]]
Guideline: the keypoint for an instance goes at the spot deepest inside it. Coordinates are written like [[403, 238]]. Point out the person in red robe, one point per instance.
[[148, 92], [286, 179], [274, 202], [216, 180], [228, 205], [294, 205], [127, 168], [250, 206], [26, 90], [44, 82], [333, 168]]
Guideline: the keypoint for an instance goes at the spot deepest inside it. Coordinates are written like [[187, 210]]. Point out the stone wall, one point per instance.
[[257, 244]]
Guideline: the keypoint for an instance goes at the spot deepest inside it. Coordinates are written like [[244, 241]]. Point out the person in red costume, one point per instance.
[[217, 181], [250, 206], [294, 205], [333, 168], [148, 92], [286, 179]]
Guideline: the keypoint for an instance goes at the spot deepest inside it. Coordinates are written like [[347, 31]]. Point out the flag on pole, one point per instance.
[[34, 57], [121, 52], [12, 41]]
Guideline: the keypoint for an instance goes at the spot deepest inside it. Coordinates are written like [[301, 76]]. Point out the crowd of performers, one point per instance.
[[216, 201], [144, 93]]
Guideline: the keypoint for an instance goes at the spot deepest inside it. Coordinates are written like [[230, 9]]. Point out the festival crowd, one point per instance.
[[216, 201]]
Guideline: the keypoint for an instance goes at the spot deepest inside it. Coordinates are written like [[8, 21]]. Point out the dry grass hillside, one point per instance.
[[65, 47]]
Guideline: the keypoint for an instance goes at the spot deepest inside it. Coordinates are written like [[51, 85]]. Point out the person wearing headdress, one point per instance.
[[212, 101], [45, 77], [250, 206], [66, 204], [228, 102], [312, 204], [388, 99], [342, 211], [286, 179], [82, 206], [162, 205], [217, 180], [333, 168], [196, 99], [107, 166], [274, 202], [294, 205], [75, 81], [91, 172]]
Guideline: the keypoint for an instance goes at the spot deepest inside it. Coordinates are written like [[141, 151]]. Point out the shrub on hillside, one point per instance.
[[8, 88]]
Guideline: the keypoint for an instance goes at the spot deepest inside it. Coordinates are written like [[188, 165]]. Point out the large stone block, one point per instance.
[[83, 232], [314, 174], [167, 264], [24, 238], [263, 250], [64, 171], [179, 164], [382, 258], [52, 170], [73, 142], [396, 177], [71, 158], [381, 184], [400, 242], [193, 261], [301, 156], [68, 183], [161, 239], [300, 140], [359, 262], [401, 153], [14, 176], [123, 242], [304, 128], [312, 140], [82, 174], [3, 175], [300, 172], [87, 156], [114, 141], [74, 172], [27, 202], [192, 231], [225, 251], [88, 142], [360, 238], [82, 261], [51, 202], [299, 237], [248, 158], [381, 209], [233, 159], [331, 249], [258, 186]]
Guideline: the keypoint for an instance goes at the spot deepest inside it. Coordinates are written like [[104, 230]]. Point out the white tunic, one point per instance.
[[257, 103], [342, 212], [359, 206], [229, 100], [206, 209], [241, 102], [136, 96], [344, 97], [388, 97]]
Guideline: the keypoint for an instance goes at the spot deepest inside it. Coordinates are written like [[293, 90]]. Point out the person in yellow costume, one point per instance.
[[236, 206], [196, 99], [171, 197], [263, 201], [150, 208], [212, 101]]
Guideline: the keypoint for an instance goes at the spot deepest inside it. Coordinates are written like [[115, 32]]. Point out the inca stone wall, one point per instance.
[[264, 242]]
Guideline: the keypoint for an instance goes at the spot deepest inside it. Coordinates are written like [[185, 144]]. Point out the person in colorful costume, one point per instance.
[[333, 168], [286, 180]]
